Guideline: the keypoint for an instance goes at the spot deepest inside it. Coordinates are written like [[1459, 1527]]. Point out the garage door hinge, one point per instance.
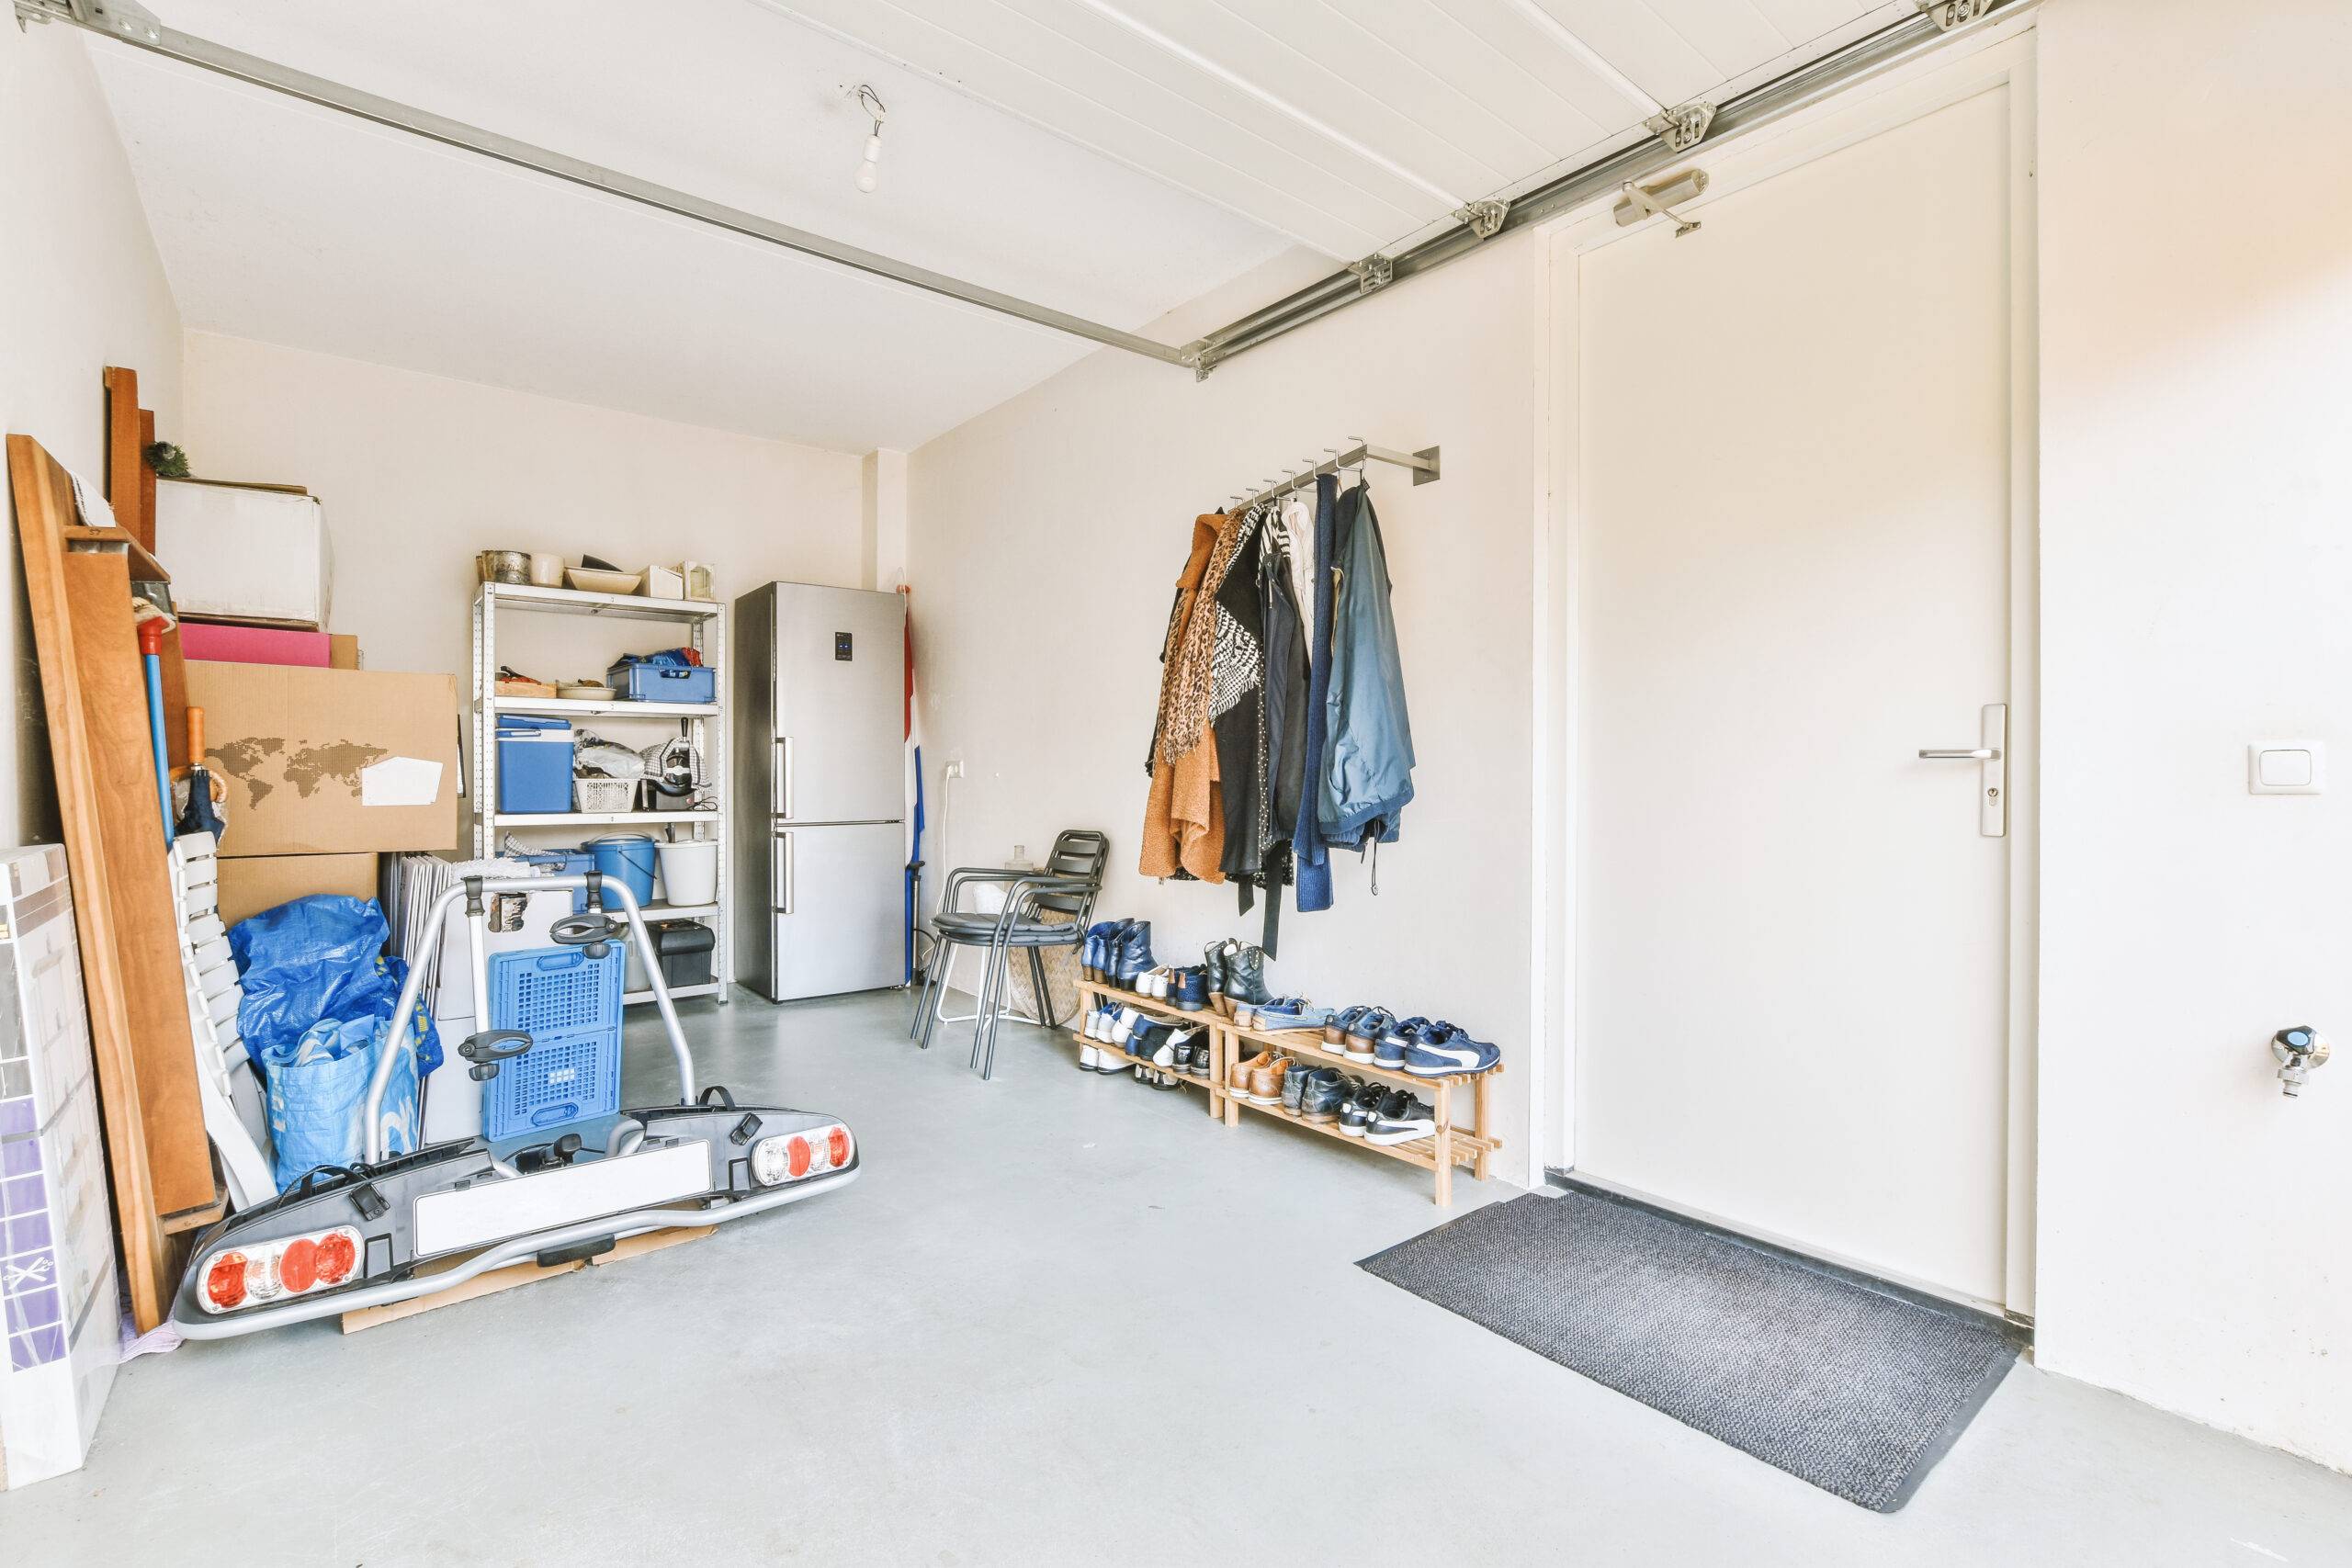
[[1484, 218], [1375, 271], [1682, 127], [1949, 14]]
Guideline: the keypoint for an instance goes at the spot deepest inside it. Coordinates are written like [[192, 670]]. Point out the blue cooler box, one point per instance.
[[534, 763], [663, 682]]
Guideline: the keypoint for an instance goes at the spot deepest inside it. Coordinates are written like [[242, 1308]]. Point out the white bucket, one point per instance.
[[689, 870]]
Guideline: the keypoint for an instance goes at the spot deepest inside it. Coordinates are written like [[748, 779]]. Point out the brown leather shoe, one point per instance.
[[1243, 1072], [1266, 1079]]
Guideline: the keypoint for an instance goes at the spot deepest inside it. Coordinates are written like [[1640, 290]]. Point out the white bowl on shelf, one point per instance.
[[590, 581]]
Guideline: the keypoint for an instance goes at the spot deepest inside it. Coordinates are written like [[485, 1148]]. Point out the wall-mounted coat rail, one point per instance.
[[1423, 463]]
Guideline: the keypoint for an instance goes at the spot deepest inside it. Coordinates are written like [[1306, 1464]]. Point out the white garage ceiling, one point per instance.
[[1110, 158], [1350, 124]]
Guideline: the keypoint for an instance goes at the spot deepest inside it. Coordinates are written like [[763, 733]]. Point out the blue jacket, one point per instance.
[[1367, 773]]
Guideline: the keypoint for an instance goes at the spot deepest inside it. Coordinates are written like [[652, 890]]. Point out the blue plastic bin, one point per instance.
[[663, 683], [570, 1005], [534, 763], [628, 857]]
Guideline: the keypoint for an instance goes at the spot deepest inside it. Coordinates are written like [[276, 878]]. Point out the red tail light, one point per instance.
[[224, 1282], [294, 1266], [781, 1157]]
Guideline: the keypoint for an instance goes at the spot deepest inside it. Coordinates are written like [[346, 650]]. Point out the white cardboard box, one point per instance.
[[246, 555], [57, 1273]]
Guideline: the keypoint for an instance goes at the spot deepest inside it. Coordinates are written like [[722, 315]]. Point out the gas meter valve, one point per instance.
[[2299, 1048]]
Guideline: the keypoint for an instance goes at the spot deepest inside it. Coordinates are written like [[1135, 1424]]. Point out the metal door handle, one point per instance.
[[1992, 780], [787, 873], [783, 783]]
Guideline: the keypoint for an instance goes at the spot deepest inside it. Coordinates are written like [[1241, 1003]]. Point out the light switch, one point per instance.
[[2286, 767]]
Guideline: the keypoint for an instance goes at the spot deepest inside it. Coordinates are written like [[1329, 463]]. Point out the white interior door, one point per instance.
[[1794, 450]]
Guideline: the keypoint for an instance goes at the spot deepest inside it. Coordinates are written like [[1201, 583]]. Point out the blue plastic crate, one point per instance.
[[533, 764], [570, 1005], [663, 683]]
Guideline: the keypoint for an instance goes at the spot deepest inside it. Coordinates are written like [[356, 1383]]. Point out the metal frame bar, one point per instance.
[[1424, 464], [127, 22], [1784, 95]]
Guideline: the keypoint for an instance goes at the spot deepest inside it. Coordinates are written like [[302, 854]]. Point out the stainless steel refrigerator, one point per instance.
[[820, 771]]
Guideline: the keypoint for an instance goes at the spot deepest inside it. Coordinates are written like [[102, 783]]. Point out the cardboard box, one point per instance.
[[254, 882], [220, 642], [343, 652], [244, 554], [331, 762]]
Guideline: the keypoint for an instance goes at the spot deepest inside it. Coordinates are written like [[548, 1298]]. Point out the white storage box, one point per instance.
[[58, 1310], [242, 554]]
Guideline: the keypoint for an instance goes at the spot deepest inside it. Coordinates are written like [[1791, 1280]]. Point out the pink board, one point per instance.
[[252, 645]]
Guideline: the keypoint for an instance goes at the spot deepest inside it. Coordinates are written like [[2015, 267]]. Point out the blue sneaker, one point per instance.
[[1335, 1032], [1443, 1051], [1365, 1031], [1388, 1051], [1189, 990]]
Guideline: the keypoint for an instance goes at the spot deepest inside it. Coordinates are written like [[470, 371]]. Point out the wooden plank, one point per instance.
[[44, 505], [122, 773], [143, 565], [515, 1274], [124, 463], [147, 477]]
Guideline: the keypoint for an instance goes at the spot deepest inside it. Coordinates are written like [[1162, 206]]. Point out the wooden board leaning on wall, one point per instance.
[[77, 585]]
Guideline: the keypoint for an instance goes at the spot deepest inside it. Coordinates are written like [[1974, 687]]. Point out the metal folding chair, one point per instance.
[[1066, 887]]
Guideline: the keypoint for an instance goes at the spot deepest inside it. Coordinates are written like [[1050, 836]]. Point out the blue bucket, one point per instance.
[[628, 858]]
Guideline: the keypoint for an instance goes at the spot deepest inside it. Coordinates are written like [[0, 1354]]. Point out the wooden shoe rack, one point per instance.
[[1453, 1145]]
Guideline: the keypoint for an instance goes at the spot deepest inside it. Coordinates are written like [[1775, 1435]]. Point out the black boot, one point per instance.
[[1213, 959], [1245, 977]]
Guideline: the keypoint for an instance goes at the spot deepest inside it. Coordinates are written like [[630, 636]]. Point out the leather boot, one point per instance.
[[1213, 970], [1245, 978], [1133, 957]]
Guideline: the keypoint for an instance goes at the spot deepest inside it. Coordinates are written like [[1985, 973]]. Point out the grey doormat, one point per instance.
[[1857, 1391]]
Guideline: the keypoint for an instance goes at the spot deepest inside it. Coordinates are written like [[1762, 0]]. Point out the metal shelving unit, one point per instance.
[[704, 724]]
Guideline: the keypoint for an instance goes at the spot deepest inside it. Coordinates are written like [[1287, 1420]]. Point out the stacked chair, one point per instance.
[[1064, 889]]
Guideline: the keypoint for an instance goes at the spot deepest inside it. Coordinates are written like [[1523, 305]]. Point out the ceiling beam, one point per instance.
[[128, 22]]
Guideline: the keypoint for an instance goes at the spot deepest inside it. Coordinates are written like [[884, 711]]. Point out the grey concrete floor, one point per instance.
[[1060, 1319]]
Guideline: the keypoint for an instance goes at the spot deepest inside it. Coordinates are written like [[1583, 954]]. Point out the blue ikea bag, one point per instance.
[[318, 1001], [318, 1095]]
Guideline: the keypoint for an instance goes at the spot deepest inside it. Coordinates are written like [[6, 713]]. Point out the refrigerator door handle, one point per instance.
[[780, 778], [787, 873]]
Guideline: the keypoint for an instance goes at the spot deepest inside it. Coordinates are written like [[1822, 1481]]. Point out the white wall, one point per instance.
[[1045, 537], [2196, 299], [2196, 1228], [415, 473], [81, 289]]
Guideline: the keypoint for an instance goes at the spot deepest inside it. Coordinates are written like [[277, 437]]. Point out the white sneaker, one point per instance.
[[1089, 1058], [1124, 1028], [1166, 1055]]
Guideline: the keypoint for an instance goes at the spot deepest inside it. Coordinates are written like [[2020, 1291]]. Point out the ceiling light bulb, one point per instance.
[[873, 149], [869, 177]]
